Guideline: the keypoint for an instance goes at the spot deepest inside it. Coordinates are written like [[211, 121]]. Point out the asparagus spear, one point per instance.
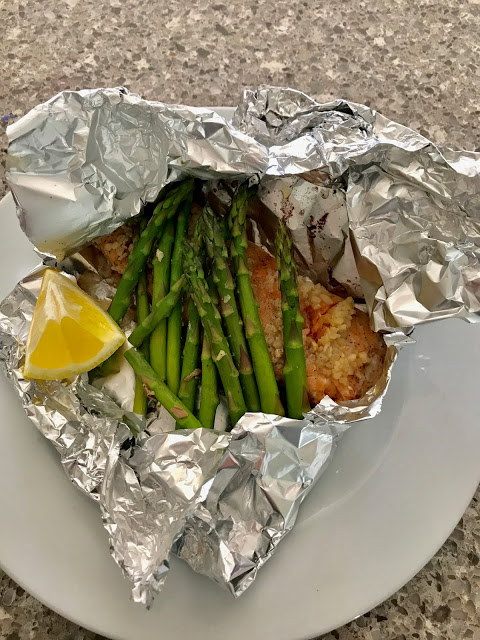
[[191, 351], [185, 418], [160, 310], [212, 326], [209, 391], [161, 285], [222, 277], [294, 369], [143, 309], [174, 324], [262, 365], [165, 210]]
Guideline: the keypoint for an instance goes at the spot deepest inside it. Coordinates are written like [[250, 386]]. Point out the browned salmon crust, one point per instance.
[[344, 356]]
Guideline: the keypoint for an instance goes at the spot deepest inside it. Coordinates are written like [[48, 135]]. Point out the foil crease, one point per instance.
[[147, 495], [413, 207], [254, 498], [85, 426], [85, 161], [376, 211]]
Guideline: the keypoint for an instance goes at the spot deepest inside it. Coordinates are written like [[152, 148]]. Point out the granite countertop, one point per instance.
[[418, 63]]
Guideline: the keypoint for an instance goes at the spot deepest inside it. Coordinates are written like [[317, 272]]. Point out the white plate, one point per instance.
[[394, 491]]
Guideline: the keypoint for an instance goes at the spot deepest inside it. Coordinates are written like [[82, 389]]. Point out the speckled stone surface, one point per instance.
[[417, 62]]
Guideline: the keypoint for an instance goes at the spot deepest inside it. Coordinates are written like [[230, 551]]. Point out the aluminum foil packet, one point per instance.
[[376, 211], [85, 161]]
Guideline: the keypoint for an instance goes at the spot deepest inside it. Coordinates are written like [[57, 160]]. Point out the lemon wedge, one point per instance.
[[69, 333]]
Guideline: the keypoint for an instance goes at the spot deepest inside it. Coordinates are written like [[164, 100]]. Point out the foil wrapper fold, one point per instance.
[[84, 424], [84, 162], [376, 211], [413, 207], [253, 500], [147, 495]]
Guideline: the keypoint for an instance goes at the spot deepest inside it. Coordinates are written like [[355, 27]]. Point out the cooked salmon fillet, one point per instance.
[[117, 246], [344, 356]]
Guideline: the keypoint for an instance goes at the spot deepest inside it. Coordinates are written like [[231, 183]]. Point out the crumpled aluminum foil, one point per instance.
[[376, 211], [83, 163], [413, 207], [84, 425], [158, 488], [147, 495], [267, 470]]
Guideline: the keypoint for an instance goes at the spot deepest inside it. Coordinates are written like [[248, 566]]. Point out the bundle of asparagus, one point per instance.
[[221, 337], [214, 237]]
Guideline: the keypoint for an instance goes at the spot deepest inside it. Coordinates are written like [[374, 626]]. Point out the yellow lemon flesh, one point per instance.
[[69, 333]]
